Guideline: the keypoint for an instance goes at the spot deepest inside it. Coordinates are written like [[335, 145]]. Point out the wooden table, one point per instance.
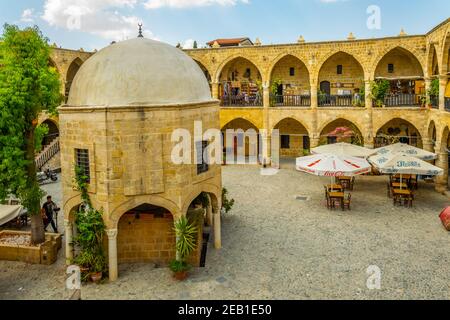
[[402, 192], [398, 185], [337, 196], [337, 187]]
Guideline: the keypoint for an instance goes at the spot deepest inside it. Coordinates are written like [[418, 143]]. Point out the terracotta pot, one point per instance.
[[181, 276], [84, 269], [96, 277]]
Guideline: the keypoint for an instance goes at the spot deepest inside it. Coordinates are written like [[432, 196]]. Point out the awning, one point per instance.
[[9, 213]]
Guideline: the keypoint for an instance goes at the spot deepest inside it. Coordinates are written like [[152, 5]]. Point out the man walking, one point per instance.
[[50, 207]]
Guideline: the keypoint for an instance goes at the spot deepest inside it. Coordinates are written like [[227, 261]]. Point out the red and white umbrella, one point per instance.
[[331, 165]]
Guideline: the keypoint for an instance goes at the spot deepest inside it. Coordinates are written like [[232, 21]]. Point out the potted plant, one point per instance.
[[379, 91], [227, 204], [186, 243], [90, 232]]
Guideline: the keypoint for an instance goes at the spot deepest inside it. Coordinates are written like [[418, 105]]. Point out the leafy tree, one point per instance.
[[27, 87], [380, 89], [195, 45]]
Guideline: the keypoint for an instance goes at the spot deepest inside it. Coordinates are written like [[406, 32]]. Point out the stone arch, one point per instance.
[[70, 205], [205, 70], [432, 132], [232, 58], [356, 135], [344, 58], [300, 68], [52, 64], [145, 235], [398, 130], [433, 64], [445, 140], [231, 124], [244, 144], [294, 137], [400, 50], [445, 63], [74, 66], [134, 202], [208, 188], [53, 131]]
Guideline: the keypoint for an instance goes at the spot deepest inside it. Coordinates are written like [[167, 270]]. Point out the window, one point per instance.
[[339, 69], [292, 72], [82, 162], [202, 162], [391, 68], [285, 142], [248, 73]]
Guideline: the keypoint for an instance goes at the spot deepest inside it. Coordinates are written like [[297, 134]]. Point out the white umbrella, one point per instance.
[[345, 149], [401, 163], [331, 165], [406, 149]]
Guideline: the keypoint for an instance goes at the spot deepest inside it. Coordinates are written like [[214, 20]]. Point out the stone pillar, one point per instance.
[[314, 141], [314, 96], [112, 254], [442, 86], [427, 90], [428, 145], [266, 96], [217, 230], [215, 90], [69, 241], [368, 97], [266, 147], [209, 211], [442, 162]]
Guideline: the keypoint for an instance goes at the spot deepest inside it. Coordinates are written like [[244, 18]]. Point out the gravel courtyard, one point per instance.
[[277, 247]]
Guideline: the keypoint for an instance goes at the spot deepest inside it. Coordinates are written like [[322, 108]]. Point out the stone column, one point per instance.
[[427, 89], [428, 145], [209, 211], [442, 86], [266, 96], [215, 90], [442, 162], [112, 254], [314, 96], [69, 241], [217, 230], [314, 141], [368, 97]]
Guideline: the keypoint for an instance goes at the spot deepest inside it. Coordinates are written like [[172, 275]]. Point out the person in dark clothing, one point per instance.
[[50, 208]]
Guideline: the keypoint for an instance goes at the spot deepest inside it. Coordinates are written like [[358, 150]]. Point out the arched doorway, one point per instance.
[[200, 213], [403, 73], [341, 79], [53, 132], [240, 84], [341, 130], [71, 73], [145, 235], [290, 83], [294, 138], [398, 130], [241, 142], [432, 135]]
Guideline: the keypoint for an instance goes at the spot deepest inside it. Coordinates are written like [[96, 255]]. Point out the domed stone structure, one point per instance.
[[126, 107], [139, 72]]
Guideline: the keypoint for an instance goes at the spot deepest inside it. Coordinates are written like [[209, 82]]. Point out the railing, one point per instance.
[[447, 104], [434, 101], [47, 154], [326, 100], [291, 100], [402, 100], [241, 101]]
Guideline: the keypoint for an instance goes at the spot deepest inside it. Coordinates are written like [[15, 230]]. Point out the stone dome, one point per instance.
[[139, 72]]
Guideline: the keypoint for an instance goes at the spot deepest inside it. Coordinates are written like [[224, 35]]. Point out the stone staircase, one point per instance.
[[48, 153]]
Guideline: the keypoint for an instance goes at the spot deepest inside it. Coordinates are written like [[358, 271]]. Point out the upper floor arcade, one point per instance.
[[403, 71]]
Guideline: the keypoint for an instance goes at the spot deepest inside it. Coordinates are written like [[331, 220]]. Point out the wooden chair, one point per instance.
[[348, 202]]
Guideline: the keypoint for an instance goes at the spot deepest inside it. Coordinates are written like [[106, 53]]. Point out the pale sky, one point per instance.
[[93, 24]]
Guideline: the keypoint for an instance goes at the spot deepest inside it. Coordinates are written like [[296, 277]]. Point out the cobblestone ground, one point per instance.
[[277, 247]]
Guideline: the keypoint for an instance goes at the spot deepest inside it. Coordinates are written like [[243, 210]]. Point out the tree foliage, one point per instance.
[[28, 86]]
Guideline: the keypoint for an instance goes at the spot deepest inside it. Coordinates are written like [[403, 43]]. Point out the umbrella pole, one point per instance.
[[401, 181]]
